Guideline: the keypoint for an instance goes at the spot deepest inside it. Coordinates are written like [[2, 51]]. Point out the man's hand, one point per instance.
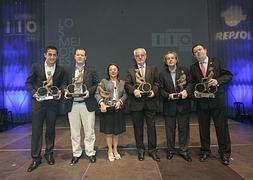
[[212, 82], [171, 96], [196, 93], [184, 94], [117, 105], [86, 94], [137, 93], [66, 94], [36, 96], [59, 94], [151, 94]]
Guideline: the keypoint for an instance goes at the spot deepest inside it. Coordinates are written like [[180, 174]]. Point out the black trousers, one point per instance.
[[46, 112], [221, 127], [183, 132], [138, 123]]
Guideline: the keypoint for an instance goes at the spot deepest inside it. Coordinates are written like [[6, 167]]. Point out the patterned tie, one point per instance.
[[142, 71], [203, 69], [49, 81]]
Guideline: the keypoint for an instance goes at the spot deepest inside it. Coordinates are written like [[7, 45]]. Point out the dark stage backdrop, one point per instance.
[[111, 29]]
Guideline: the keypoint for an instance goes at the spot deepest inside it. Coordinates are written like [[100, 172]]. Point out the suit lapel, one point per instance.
[[178, 74], [147, 73], [210, 66], [85, 74], [44, 77], [56, 72], [133, 73], [169, 79], [199, 70]]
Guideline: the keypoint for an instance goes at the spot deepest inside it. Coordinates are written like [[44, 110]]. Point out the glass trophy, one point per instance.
[[48, 91], [180, 85], [77, 88], [203, 89], [141, 84], [108, 97]]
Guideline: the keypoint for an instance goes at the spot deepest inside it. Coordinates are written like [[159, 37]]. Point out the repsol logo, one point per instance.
[[229, 35]]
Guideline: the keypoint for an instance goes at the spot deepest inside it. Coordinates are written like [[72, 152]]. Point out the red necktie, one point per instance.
[[203, 69]]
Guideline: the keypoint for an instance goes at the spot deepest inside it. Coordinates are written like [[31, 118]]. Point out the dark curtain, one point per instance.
[[230, 31], [22, 42]]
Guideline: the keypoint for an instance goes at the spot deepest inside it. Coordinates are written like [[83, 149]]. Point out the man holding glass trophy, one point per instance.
[[81, 105], [209, 77], [44, 83], [141, 85], [175, 89]]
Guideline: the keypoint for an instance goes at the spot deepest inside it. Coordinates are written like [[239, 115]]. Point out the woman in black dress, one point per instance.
[[110, 96]]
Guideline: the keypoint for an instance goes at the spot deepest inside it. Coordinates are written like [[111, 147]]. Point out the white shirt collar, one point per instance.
[[205, 61], [49, 68], [140, 66]]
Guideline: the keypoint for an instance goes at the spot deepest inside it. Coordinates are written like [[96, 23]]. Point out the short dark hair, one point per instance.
[[112, 64], [199, 44], [80, 48], [51, 47]]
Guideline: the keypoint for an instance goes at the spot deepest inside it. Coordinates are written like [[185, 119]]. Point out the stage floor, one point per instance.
[[15, 156]]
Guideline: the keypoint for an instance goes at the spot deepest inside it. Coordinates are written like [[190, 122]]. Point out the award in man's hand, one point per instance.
[[203, 89], [180, 85], [77, 88], [108, 99], [48, 91], [141, 84]]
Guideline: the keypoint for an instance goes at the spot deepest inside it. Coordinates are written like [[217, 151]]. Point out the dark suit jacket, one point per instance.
[[35, 80], [222, 75], [151, 76], [90, 79], [171, 107]]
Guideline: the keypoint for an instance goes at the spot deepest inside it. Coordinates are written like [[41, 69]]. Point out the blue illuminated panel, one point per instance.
[[21, 42]]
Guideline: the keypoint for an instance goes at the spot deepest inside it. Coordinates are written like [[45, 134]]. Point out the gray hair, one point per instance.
[[139, 49]]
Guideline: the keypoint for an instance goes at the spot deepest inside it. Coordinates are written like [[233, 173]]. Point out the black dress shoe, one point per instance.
[[154, 156], [203, 157], [92, 159], [170, 155], [225, 160], [74, 160], [186, 157], [141, 155], [50, 159], [33, 165]]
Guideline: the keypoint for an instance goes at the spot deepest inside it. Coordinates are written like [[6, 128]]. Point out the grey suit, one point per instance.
[[109, 87], [112, 121]]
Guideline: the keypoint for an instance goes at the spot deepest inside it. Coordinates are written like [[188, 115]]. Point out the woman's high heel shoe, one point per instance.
[[111, 157], [117, 156]]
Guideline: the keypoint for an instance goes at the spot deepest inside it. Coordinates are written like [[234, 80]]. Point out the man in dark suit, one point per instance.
[[211, 71], [143, 105], [81, 109], [53, 75], [175, 90]]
